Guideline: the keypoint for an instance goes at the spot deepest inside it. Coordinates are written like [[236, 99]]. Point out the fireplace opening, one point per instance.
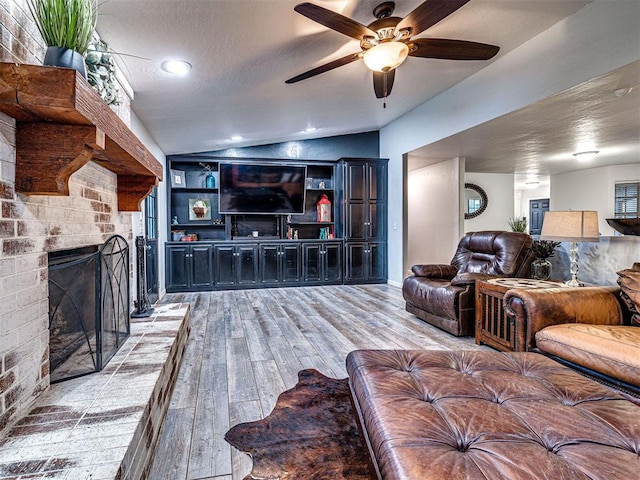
[[88, 307]]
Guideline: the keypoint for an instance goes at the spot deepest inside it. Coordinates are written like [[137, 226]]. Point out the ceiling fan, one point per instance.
[[386, 42]]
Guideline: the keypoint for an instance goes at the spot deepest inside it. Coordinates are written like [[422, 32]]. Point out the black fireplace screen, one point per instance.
[[88, 307]]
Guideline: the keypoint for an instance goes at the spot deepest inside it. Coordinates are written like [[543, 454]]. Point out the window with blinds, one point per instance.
[[626, 202]]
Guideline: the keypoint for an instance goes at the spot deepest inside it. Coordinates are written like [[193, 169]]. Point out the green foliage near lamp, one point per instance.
[[518, 224], [66, 27], [544, 248]]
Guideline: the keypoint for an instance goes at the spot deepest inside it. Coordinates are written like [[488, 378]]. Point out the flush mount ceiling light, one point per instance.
[[236, 138], [386, 56], [586, 156], [176, 67]]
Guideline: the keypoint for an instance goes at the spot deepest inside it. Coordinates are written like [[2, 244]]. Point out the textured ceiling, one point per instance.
[[242, 51], [541, 138]]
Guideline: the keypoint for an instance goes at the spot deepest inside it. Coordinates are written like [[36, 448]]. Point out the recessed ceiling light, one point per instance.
[[586, 156], [176, 67], [236, 138], [532, 183], [310, 129]]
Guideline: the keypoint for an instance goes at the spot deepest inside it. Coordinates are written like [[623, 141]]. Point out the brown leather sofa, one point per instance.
[[590, 329], [444, 295], [489, 415]]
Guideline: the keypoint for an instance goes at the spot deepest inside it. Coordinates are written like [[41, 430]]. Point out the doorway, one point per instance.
[[537, 209]]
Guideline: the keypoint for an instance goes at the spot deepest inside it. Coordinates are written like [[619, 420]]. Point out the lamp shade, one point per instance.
[[571, 226], [386, 56]]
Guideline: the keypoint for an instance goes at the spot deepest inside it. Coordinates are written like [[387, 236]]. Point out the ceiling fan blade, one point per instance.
[[428, 14], [325, 68], [452, 49], [383, 86], [334, 20]]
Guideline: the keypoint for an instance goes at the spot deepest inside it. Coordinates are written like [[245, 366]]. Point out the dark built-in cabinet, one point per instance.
[[365, 197], [215, 251]]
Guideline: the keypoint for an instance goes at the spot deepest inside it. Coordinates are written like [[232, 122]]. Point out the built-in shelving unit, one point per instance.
[[224, 251], [61, 124]]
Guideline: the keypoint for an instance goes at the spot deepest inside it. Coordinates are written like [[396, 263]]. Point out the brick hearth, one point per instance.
[[103, 425]]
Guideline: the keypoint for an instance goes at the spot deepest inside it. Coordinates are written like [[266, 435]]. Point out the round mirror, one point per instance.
[[475, 200]]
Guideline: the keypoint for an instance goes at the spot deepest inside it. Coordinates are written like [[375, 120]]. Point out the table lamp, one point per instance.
[[571, 226]]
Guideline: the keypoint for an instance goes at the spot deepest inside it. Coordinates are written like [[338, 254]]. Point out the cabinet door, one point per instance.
[[356, 182], [355, 262], [356, 228], [247, 264], [225, 265], [177, 268], [312, 266], [201, 267], [269, 263], [377, 259], [332, 262], [376, 221], [290, 256]]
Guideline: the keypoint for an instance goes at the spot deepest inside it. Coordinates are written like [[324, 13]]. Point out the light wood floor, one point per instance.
[[246, 347]]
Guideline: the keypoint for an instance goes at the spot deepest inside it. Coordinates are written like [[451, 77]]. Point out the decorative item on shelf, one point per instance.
[[174, 220], [308, 183], [541, 266], [199, 209], [66, 27], [101, 71], [210, 177], [571, 226], [323, 209], [178, 179], [518, 224], [176, 235], [321, 185], [192, 237], [218, 221], [295, 234]]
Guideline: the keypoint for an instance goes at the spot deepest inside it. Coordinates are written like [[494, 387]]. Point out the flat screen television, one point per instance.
[[261, 188]]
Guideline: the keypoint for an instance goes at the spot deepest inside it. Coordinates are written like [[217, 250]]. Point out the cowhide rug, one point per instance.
[[311, 434]]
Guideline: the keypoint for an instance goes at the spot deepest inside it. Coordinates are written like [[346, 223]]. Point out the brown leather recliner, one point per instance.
[[444, 295]]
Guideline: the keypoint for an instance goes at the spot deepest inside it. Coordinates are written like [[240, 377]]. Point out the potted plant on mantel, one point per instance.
[[66, 27]]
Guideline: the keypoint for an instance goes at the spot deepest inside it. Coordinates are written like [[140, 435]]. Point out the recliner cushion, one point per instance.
[[437, 296], [492, 252]]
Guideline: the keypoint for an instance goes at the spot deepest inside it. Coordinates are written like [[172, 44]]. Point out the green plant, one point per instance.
[[65, 23], [544, 248], [518, 224]]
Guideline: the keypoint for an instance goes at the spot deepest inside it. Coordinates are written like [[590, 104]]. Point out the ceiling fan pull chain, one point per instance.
[[384, 101]]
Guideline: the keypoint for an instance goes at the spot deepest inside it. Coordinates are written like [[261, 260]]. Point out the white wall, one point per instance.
[[591, 189], [599, 38], [499, 189], [524, 194], [433, 203]]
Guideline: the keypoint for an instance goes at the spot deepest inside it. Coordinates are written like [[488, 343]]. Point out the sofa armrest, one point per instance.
[[533, 309], [434, 271]]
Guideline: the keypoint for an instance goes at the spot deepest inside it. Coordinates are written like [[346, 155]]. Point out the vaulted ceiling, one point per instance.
[[242, 51]]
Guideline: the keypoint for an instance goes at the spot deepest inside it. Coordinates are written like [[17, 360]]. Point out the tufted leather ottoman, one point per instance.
[[488, 415]]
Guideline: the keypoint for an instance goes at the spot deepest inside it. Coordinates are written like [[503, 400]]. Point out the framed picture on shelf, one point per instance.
[[178, 179], [199, 209]]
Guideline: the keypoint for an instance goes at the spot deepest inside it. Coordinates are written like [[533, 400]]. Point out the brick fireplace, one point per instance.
[[33, 226]]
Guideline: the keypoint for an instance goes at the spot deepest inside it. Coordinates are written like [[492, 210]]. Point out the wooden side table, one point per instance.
[[492, 325]]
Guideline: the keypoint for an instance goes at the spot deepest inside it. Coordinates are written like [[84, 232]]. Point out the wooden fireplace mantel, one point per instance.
[[61, 124]]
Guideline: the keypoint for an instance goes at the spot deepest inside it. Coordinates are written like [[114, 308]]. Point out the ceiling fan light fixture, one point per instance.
[[386, 56]]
